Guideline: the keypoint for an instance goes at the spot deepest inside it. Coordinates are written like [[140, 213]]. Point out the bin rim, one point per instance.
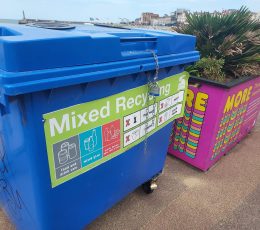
[[13, 83]]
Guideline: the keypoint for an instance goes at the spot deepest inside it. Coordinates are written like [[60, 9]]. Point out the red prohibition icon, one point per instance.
[[127, 122], [127, 138]]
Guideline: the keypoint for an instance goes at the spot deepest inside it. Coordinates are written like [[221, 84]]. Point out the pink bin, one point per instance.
[[217, 117]]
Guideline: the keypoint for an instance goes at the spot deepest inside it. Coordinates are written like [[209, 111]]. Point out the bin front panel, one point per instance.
[[86, 135], [193, 133], [202, 136], [104, 185]]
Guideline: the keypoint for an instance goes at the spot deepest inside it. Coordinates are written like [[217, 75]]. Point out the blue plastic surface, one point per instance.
[[45, 70], [33, 59]]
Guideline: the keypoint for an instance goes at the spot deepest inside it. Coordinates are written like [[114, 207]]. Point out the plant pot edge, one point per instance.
[[194, 79]]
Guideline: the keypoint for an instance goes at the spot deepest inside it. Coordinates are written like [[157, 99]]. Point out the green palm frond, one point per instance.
[[234, 37]]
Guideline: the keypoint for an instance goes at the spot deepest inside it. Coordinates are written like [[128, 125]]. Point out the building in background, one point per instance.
[[163, 21], [147, 18], [177, 17], [180, 16], [137, 21], [229, 11], [256, 16]]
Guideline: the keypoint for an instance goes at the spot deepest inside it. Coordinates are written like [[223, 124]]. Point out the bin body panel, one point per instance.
[[214, 122], [77, 202]]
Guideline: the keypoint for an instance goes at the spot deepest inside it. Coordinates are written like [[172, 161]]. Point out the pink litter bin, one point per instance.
[[217, 117]]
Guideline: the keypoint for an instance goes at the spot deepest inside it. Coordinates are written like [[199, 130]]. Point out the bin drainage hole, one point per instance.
[[141, 67]]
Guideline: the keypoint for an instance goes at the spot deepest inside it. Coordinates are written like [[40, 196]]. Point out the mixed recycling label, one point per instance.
[[84, 136]]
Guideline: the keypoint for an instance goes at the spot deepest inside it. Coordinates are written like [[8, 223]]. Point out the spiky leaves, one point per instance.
[[233, 37]]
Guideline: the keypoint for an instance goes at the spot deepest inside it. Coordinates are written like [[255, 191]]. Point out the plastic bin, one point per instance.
[[217, 117], [74, 114]]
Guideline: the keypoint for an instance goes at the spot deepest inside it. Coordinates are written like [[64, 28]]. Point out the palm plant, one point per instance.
[[234, 38]]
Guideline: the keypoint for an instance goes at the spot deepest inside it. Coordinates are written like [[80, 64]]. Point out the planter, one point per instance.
[[217, 117]]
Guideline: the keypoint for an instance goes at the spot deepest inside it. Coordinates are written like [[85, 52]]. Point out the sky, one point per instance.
[[110, 10]]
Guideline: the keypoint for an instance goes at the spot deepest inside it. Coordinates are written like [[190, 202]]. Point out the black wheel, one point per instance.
[[150, 186], [147, 188]]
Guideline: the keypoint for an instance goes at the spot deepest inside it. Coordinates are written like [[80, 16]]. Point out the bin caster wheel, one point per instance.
[[149, 186]]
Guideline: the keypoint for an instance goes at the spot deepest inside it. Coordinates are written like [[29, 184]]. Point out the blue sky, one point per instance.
[[112, 10]]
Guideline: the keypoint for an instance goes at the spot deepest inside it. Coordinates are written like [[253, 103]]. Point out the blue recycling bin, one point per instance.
[[79, 127]]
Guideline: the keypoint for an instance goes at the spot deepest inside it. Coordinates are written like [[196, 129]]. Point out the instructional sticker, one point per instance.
[[91, 146], [111, 137], [66, 156], [84, 136]]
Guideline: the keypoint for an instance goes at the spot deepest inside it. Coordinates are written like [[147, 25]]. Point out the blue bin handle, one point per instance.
[[138, 39], [137, 47]]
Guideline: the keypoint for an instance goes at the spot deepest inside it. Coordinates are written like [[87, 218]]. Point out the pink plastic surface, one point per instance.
[[215, 120]]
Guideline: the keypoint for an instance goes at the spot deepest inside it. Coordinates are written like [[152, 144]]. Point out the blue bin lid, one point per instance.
[[34, 58]]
